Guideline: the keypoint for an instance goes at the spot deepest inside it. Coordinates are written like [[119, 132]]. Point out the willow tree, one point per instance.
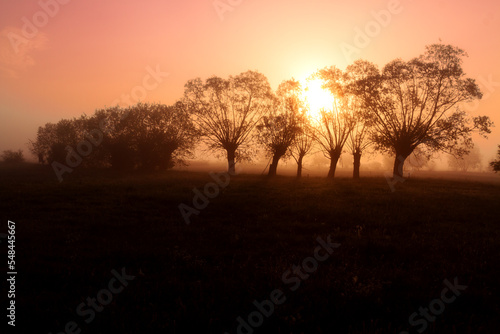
[[418, 103], [226, 111], [304, 141], [359, 141], [279, 129], [334, 124]]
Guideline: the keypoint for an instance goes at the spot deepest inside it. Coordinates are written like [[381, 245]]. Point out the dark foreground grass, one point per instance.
[[396, 250]]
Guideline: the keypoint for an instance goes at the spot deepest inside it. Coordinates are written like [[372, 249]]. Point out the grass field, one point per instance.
[[396, 249]]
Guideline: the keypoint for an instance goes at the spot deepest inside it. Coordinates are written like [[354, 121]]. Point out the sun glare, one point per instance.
[[317, 97]]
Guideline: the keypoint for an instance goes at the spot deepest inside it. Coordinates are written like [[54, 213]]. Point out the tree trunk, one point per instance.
[[231, 164], [274, 165], [334, 158], [299, 166], [357, 164], [399, 162]]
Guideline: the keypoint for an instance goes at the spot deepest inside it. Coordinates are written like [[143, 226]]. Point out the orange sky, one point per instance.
[[87, 54]]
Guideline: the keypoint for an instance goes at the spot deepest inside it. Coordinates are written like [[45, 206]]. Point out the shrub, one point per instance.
[[12, 157]]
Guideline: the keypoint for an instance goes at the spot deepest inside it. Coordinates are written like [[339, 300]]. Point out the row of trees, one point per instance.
[[145, 136], [403, 107]]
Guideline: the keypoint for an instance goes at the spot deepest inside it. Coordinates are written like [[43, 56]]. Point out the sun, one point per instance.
[[317, 97]]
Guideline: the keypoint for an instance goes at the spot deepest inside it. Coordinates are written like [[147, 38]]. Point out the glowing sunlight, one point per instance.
[[317, 97]]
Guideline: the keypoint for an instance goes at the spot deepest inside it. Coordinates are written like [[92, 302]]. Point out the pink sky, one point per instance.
[[90, 53]]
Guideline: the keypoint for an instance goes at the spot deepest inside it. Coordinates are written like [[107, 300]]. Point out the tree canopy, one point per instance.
[[226, 111], [335, 124], [146, 136], [278, 129], [419, 102]]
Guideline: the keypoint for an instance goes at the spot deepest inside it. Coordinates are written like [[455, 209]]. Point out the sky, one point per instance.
[[63, 58]]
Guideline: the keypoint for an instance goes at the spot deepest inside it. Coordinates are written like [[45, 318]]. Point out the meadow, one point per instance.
[[396, 250]]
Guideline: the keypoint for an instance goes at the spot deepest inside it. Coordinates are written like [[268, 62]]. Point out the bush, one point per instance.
[[495, 164], [12, 157]]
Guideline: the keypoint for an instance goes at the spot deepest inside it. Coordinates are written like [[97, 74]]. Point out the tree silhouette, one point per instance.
[[226, 111], [156, 134], [147, 136], [279, 129], [359, 141], [53, 140], [335, 124], [495, 164], [304, 141], [418, 103]]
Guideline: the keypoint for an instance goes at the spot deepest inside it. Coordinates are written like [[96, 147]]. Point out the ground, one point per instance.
[[396, 251]]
